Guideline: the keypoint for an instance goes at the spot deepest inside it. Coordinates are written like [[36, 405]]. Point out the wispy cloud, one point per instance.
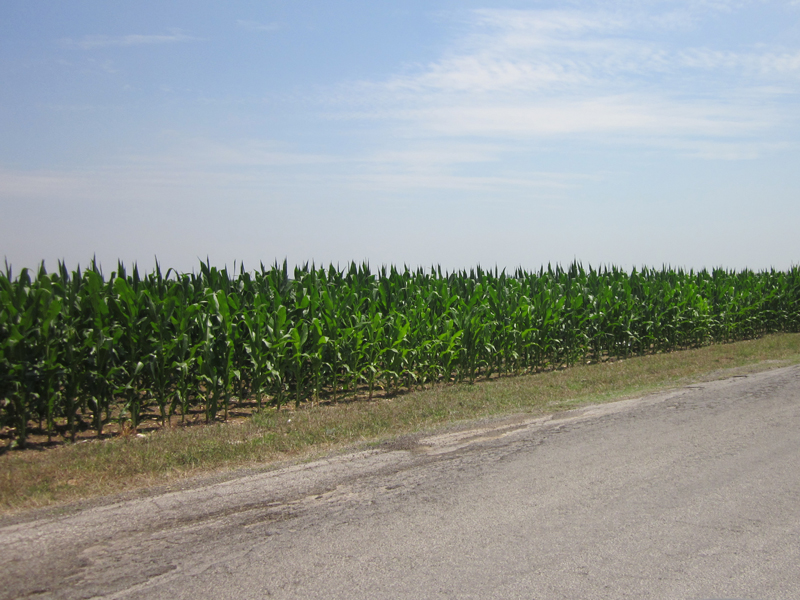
[[256, 26], [182, 164], [767, 63], [632, 114], [614, 76], [187, 166], [90, 42], [531, 50]]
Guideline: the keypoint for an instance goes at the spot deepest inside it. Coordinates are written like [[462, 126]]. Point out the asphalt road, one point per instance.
[[688, 494]]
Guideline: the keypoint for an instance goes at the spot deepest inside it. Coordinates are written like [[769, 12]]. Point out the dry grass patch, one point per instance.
[[39, 478]]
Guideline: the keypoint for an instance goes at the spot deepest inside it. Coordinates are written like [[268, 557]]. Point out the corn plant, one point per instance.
[[77, 346]]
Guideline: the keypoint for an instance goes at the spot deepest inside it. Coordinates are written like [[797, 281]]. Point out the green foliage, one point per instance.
[[82, 347]]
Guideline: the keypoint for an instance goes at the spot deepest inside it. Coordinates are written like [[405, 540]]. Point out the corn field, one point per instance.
[[81, 349]]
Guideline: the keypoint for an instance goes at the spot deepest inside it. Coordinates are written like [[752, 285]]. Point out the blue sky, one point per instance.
[[419, 133]]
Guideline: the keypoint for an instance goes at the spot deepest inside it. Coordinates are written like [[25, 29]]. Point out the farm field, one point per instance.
[[80, 351], [178, 455], [303, 363]]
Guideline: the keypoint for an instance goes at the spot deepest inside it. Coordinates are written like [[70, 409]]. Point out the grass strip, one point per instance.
[[33, 479]]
